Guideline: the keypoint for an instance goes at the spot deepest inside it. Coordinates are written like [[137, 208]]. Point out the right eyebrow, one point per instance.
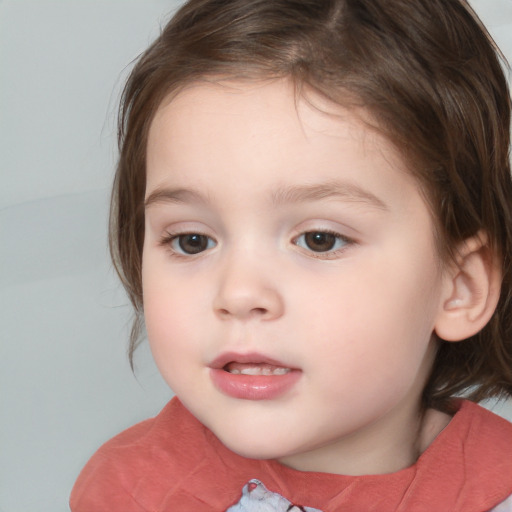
[[173, 195]]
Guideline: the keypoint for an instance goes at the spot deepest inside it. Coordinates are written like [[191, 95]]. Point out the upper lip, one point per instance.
[[250, 357]]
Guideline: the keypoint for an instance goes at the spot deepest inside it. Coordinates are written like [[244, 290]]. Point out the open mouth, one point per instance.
[[252, 376], [236, 368]]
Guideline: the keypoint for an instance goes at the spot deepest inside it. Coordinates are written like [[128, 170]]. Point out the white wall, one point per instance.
[[65, 383]]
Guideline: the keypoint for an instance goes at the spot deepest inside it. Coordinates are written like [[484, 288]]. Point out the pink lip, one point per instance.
[[251, 387], [251, 357]]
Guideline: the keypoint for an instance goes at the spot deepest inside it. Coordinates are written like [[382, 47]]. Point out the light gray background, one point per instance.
[[65, 382]]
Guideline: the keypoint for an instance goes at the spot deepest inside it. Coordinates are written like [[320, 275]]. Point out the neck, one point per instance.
[[382, 447]]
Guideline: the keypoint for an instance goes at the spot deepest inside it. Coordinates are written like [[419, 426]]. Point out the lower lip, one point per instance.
[[254, 387]]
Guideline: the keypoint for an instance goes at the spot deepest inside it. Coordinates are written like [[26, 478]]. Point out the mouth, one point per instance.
[[250, 364], [236, 368], [253, 376]]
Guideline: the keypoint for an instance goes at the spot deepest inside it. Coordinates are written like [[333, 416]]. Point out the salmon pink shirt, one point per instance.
[[173, 463]]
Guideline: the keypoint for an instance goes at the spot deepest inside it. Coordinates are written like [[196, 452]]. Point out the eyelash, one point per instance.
[[170, 238], [330, 253]]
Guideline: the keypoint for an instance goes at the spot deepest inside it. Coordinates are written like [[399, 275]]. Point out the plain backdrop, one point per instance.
[[65, 381]]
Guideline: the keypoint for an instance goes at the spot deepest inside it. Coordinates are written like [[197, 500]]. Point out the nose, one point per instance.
[[245, 291]]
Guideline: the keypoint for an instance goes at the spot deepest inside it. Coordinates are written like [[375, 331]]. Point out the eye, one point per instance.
[[189, 243], [321, 241]]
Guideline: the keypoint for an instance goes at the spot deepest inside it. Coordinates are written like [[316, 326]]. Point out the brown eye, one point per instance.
[[191, 243], [321, 241]]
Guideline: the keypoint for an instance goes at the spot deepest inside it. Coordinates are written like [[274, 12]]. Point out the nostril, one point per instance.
[[249, 302], [251, 312]]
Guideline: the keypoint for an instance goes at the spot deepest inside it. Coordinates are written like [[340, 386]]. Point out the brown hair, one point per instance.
[[430, 76]]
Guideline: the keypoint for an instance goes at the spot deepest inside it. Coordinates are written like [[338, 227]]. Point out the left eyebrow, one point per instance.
[[345, 191]]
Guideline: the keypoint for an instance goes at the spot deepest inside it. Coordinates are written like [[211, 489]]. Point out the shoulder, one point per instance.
[[487, 432], [105, 481], [142, 455], [486, 456], [469, 464]]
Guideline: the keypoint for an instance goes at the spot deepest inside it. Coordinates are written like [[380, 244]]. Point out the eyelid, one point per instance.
[[329, 254], [169, 237]]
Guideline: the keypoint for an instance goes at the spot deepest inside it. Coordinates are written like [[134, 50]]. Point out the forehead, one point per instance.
[[211, 132], [276, 104]]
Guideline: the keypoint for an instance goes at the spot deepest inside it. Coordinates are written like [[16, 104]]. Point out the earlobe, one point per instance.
[[472, 287]]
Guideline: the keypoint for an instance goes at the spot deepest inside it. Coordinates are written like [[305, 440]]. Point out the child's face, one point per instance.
[[283, 240]]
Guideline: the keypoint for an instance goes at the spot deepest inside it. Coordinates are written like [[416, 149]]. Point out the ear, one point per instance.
[[472, 290]]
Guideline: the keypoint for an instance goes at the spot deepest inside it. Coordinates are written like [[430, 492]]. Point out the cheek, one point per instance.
[[168, 317], [377, 323], [173, 340]]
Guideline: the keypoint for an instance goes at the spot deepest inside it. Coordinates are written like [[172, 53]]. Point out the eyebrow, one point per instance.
[[174, 195], [344, 191]]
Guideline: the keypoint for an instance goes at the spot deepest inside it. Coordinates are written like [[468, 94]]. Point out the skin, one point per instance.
[[231, 163]]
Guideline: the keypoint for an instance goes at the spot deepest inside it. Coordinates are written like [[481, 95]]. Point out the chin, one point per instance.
[[251, 448]]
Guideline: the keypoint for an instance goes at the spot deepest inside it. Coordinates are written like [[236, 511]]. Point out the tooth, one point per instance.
[[251, 371], [258, 370]]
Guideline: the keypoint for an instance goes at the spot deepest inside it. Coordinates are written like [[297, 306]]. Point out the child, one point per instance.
[[313, 211]]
